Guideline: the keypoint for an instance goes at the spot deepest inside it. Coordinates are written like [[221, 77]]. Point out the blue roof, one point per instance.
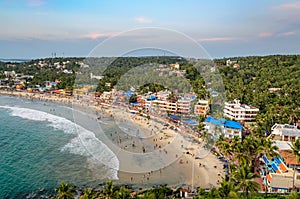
[[134, 103], [274, 166], [174, 117], [128, 94], [191, 122], [266, 160], [224, 122], [151, 98], [277, 160]]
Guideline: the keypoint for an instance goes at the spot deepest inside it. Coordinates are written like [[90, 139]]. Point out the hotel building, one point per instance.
[[201, 108], [240, 112]]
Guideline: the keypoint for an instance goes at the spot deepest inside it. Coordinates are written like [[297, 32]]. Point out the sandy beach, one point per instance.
[[182, 167], [149, 152]]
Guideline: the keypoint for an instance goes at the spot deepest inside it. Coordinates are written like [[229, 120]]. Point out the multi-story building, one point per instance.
[[240, 112], [163, 104], [184, 106], [229, 129], [201, 108]]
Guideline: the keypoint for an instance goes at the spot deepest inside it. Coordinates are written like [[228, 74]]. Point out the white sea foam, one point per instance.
[[85, 143]]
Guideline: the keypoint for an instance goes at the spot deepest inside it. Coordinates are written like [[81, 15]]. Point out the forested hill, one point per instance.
[[270, 83]]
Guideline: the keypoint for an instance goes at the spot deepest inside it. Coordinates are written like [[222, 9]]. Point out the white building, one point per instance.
[[286, 132], [229, 62], [164, 105], [240, 112], [92, 76], [10, 74]]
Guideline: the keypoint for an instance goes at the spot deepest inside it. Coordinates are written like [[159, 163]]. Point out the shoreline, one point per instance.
[[207, 172]]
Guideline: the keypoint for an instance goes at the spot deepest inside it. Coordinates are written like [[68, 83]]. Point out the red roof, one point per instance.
[[289, 157]]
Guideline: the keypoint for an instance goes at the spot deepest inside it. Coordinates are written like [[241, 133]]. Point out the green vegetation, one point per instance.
[[228, 189], [251, 81], [133, 98], [122, 65], [65, 191], [151, 87], [45, 70], [111, 191]]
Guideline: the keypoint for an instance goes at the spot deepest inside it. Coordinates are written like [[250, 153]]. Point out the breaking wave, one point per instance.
[[85, 143]]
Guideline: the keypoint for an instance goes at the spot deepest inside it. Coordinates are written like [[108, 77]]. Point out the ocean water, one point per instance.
[[41, 146]]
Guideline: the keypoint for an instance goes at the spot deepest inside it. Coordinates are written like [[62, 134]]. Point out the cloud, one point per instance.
[[289, 6], [265, 34], [288, 33], [143, 20], [35, 3], [97, 35], [218, 39]]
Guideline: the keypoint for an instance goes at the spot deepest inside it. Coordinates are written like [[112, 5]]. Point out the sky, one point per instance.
[[38, 28]]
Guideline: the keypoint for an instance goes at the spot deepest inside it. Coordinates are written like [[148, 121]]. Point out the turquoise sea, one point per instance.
[[41, 146]]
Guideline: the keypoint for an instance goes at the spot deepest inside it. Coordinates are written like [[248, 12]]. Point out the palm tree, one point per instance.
[[227, 189], [65, 191], [213, 193], [201, 194], [109, 189], [123, 193], [89, 194], [269, 148], [251, 148], [296, 151], [240, 154], [293, 195], [224, 146], [244, 180], [200, 127]]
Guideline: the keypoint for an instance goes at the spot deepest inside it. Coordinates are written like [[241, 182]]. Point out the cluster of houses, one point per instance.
[[281, 174], [19, 81], [14, 80], [171, 69]]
